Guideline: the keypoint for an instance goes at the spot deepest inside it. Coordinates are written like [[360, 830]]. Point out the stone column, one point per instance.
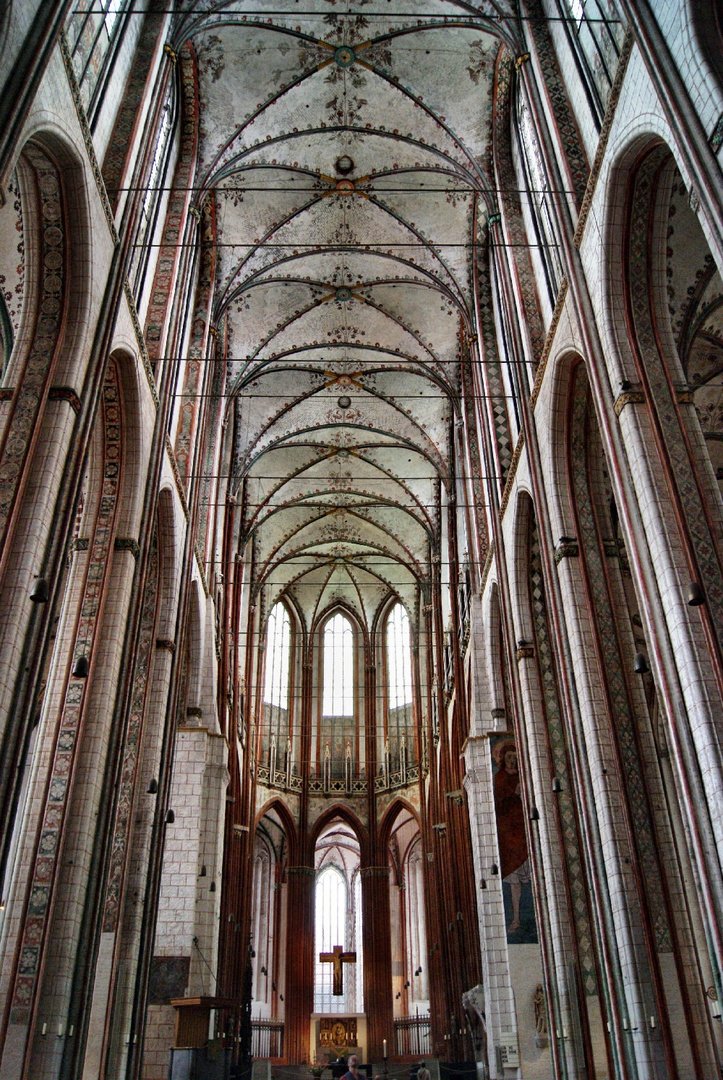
[[377, 961], [500, 1014], [299, 1000]]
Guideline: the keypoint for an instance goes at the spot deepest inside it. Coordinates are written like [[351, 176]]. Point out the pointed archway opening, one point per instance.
[[338, 960]]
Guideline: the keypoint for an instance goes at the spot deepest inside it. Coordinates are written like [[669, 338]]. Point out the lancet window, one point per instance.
[[331, 910], [277, 731], [598, 33], [153, 198], [92, 30], [338, 920], [338, 667], [539, 202], [338, 749], [399, 744]]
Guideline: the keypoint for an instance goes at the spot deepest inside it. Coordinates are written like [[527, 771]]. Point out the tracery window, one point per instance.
[[399, 741], [399, 658], [338, 697], [339, 749], [277, 730], [539, 196], [153, 198], [331, 920], [92, 29], [278, 653], [597, 33]]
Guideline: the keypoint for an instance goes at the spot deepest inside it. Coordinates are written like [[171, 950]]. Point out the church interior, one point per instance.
[[361, 539]]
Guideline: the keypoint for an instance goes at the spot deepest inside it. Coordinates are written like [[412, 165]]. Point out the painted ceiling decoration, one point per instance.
[[346, 147]]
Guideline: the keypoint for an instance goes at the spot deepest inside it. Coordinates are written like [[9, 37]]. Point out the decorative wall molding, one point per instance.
[[628, 397], [513, 470], [569, 550], [141, 342], [549, 338], [177, 477], [65, 393], [127, 543]]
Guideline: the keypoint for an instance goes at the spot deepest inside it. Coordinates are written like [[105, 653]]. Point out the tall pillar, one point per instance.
[[500, 1012], [377, 961], [299, 964]]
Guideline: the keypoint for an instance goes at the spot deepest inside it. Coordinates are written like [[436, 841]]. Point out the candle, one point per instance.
[[384, 1043]]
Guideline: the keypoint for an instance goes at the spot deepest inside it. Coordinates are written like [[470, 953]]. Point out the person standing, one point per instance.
[[352, 1072]]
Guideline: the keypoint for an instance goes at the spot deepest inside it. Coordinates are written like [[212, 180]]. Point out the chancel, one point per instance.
[[361, 539], [338, 958]]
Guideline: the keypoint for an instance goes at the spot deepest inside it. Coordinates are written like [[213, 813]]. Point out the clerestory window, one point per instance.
[[397, 751], [155, 195], [92, 29], [338, 697], [597, 35], [278, 653], [539, 197], [399, 658], [277, 738]]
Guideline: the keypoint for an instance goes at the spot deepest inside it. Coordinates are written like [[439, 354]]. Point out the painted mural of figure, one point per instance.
[[515, 868]]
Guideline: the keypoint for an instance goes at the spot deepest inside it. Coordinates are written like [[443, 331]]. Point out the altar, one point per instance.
[[338, 1036]]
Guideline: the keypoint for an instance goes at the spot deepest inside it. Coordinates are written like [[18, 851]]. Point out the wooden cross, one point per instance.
[[337, 958]]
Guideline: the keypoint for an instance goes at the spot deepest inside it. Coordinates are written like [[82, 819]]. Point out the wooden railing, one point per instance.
[[413, 1036], [267, 1038]]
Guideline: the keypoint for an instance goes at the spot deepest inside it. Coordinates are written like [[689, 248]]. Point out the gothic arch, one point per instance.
[[344, 608], [282, 811], [392, 812], [674, 309], [339, 812], [618, 729], [53, 214], [704, 29], [544, 753]]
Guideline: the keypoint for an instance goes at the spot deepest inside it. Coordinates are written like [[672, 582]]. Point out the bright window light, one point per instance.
[[338, 698], [278, 652], [111, 14], [399, 658]]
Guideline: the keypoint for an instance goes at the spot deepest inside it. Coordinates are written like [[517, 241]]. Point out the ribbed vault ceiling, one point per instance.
[[346, 146]]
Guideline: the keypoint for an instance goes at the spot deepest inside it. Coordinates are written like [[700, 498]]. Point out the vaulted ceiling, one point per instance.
[[347, 147]]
